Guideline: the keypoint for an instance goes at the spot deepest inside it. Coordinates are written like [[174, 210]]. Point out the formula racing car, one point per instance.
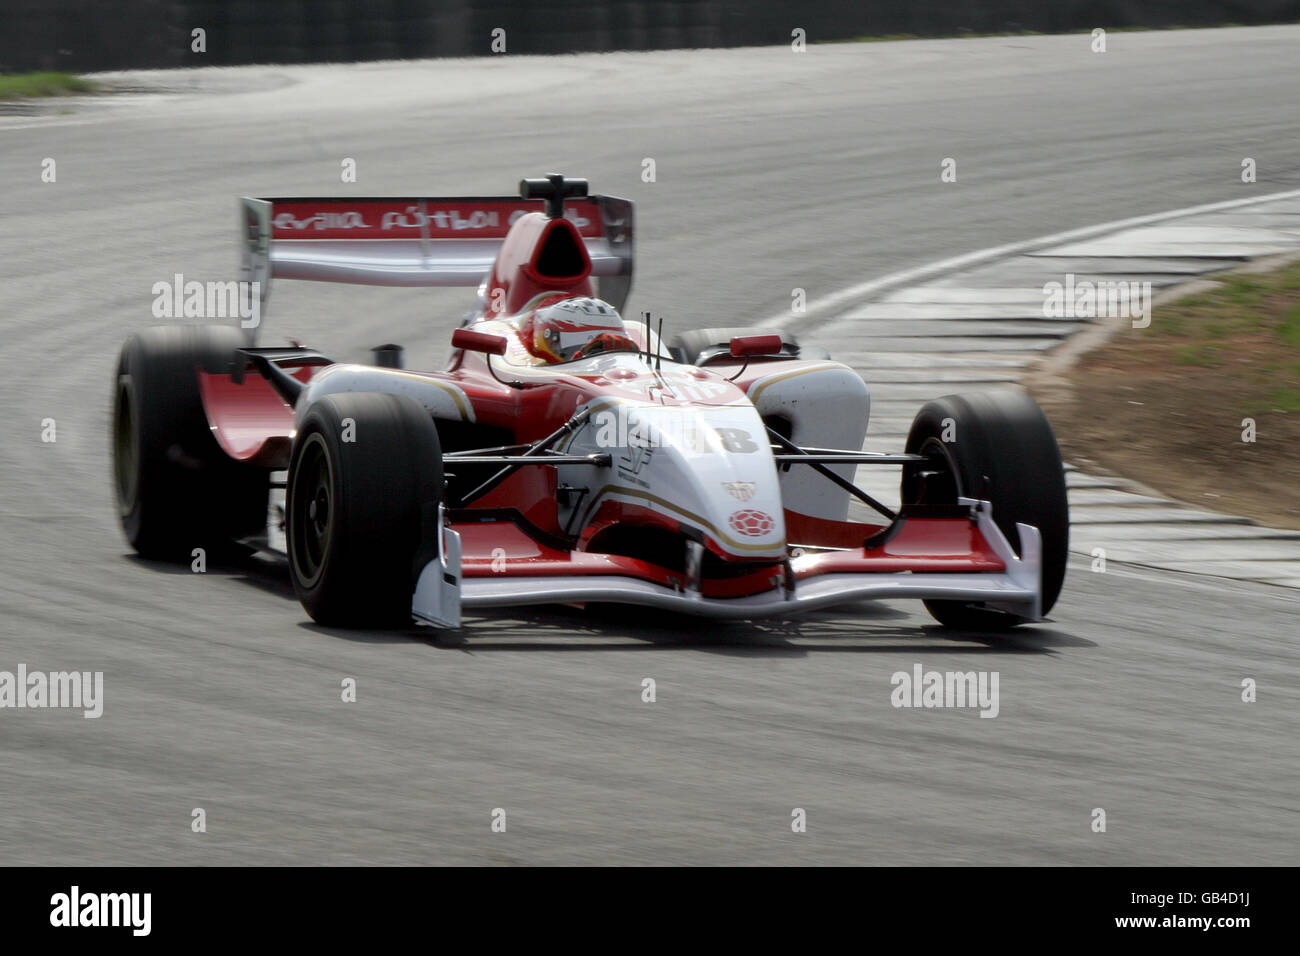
[[567, 453]]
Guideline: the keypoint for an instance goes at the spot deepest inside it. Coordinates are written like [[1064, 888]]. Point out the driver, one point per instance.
[[578, 328]]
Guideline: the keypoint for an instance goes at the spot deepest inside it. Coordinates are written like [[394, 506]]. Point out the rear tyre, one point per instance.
[[365, 480], [176, 489], [1002, 451]]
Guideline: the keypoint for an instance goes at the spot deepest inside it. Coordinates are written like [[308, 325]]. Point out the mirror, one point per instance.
[[744, 346], [478, 342]]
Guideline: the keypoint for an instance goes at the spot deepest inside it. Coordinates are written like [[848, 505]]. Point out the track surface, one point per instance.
[[775, 170]]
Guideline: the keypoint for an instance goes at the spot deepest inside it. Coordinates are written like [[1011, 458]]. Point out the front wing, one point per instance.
[[442, 591]]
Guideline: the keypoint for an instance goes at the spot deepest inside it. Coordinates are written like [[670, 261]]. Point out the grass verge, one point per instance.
[[21, 86], [1174, 405]]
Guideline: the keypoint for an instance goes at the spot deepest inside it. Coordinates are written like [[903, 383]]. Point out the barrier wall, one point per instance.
[[85, 35]]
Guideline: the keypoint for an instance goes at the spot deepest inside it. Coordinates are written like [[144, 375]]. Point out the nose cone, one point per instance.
[[709, 468]]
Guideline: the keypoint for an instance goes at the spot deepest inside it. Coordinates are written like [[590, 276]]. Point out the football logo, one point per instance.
[[752, 523]]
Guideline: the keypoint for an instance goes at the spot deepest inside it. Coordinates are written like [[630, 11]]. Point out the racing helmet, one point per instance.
[[577, 328]]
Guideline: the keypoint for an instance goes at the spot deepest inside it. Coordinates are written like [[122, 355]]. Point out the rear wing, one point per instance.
[[417, 242]]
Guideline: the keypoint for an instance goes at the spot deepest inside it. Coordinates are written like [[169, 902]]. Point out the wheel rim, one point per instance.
[[126, 447], [936, 482], [312, 507]]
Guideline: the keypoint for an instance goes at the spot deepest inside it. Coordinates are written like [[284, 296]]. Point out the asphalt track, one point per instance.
[[774, 170]]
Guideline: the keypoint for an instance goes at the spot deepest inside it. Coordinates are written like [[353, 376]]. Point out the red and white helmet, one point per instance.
[[577, 328]]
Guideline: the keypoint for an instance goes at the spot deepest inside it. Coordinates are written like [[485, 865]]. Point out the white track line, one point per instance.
[[931, 270]]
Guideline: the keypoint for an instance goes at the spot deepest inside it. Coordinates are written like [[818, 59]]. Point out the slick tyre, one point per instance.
[[365, 481], [176, 489], [1002, 450]]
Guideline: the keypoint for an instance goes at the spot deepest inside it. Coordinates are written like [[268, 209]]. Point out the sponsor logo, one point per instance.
[[741, 490], [752, 523], [442, 219], [414, 217], [633, 461], [322, 221]]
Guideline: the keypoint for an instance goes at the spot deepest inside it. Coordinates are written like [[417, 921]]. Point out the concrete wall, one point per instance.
[[83, 35]]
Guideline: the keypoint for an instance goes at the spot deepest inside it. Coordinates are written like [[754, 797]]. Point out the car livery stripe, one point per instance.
[[759, 385], [457, 396]]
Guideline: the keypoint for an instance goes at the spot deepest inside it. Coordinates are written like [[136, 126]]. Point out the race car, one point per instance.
[[567, 454]]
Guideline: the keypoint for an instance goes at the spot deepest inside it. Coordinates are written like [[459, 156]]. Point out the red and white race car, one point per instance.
[[566, 454]]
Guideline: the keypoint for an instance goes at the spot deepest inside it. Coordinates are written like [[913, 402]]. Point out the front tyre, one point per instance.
[[365, 481], [995, 446]]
